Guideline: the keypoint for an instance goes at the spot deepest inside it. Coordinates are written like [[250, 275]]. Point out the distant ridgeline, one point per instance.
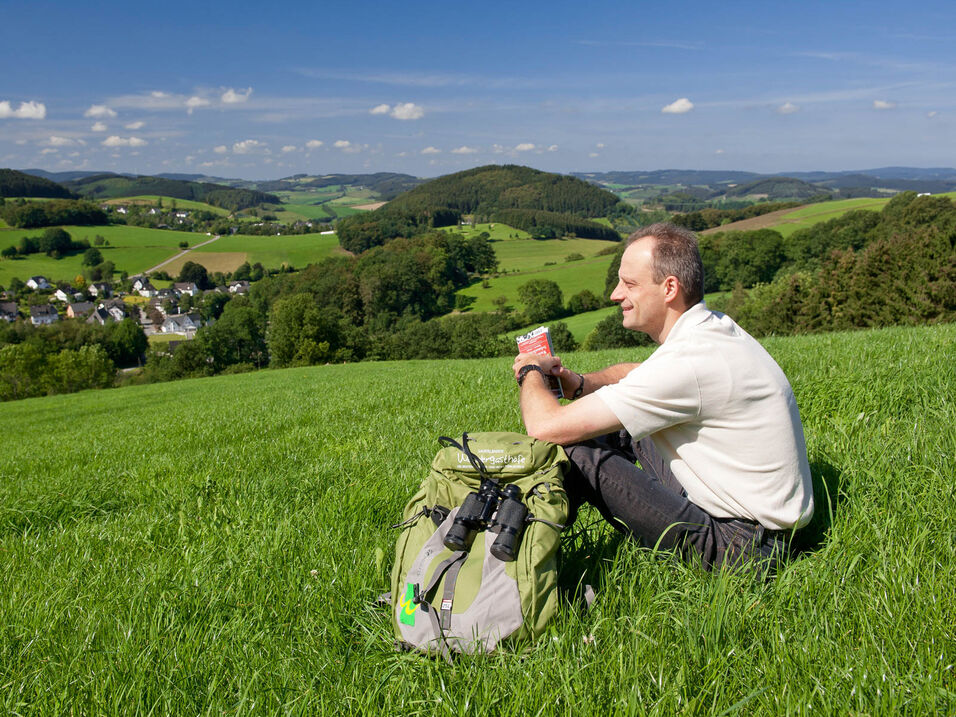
[[20, 184], [541, 203], [387, 185], [109, 186]]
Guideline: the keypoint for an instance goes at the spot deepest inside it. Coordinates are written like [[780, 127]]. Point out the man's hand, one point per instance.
[[549, 364]]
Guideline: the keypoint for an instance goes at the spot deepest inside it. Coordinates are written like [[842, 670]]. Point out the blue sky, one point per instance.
[[262, 91]]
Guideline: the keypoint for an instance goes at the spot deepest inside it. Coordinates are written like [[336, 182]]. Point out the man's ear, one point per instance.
[[672, 289]]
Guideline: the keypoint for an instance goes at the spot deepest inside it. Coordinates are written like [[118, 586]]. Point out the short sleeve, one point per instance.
[[661, 392]]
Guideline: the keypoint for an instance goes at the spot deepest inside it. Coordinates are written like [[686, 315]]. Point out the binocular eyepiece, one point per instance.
[[476, 513]]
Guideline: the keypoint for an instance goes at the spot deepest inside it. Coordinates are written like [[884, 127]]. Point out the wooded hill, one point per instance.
[[110, 186], [21, 184], [541, 203]]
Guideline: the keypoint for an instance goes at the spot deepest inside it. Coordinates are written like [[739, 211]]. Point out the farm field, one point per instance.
[[572, 277], [787, 221], [296, 250], [168, 203], [132, 249], [135, 249], [223, 550]]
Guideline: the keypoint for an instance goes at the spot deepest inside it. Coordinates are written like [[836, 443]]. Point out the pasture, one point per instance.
[[787, 221], [296, 250], [135, 249], [572, 277], [216, 545], [131, 249], [168, 203]]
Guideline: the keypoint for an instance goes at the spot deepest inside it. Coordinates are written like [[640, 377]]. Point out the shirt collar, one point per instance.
[[696, 314]]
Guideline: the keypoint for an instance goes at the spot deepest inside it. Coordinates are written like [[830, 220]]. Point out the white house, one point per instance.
[[186, 287], [42, 315], [143, 287], [8, 311], [99, 289], [238, 287], [38, 282], [181, 324], [69, 295]]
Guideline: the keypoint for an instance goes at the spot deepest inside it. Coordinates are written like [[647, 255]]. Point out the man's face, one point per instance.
[[641, 298]]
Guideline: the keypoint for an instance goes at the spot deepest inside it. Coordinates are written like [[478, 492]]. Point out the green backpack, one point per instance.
[[476, 560]]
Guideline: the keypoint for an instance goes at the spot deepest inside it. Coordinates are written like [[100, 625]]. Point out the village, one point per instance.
[[165, 311]]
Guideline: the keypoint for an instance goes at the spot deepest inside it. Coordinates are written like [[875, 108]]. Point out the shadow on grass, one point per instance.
[[590, 548], [828, 497]]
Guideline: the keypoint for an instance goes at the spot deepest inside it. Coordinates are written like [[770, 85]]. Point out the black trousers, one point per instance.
[[647, 503]]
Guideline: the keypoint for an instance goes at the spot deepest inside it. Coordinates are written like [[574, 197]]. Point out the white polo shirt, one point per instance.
[[723, 415]]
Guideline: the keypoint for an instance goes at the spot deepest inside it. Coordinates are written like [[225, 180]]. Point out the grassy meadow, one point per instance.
[[215, 546], [132, 249]]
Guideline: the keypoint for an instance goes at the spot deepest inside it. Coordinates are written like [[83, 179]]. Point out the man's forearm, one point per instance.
[[595, 380]]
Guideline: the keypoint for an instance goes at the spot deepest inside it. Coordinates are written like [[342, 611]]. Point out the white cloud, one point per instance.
[[524, 147], [135, 125], [932, 114], [316, 143], [26, 110], [100, 111], [221, 149], [431, 150], [55, 141], [116, 141], [379, 110], [159, 94], [600, 145], [678, 107], [246, 146], [49, 150], [464, 149], [231, 97], [554, 148], [99, 127], [719, 151], [194, 102], [883, 105], [787, 108], [593, 154], [348, 147], [289, 148], [407, 111]]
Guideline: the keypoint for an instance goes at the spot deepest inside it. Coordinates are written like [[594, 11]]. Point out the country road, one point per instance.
[[161, 264]]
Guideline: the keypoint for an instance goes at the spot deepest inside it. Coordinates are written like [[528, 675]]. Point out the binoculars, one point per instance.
[[493, 508]]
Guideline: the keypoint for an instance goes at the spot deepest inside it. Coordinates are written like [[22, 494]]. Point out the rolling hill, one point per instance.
[[110, 186], [541, 203]]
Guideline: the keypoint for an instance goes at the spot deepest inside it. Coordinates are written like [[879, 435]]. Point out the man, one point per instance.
[[723, 472]]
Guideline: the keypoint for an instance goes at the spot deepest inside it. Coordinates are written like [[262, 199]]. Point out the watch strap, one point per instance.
[[525, 370]]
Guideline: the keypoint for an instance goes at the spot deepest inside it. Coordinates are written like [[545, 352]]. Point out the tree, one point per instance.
[[583, 301], [125, 342], [299, 333], [611, 334], [55, 242], [196, 273], [92, 257], [21, 371], [238, 337], [542, 300], [88, 367]]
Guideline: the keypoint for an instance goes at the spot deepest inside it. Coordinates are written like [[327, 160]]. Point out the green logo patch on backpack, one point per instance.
[[476, 560]]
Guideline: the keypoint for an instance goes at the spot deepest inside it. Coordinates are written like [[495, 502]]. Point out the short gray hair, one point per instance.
[[675, 254]]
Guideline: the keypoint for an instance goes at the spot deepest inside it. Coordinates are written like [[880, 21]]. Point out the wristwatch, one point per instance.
[[525, 370], [580, 389]]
